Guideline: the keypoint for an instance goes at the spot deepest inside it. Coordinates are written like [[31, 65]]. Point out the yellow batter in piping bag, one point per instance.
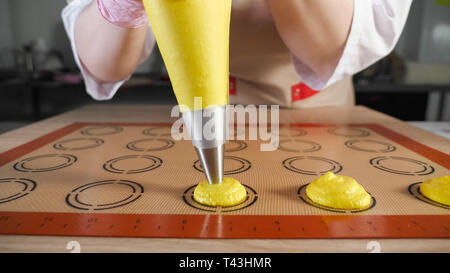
[[437, 189], [339, 192], [193, 37]]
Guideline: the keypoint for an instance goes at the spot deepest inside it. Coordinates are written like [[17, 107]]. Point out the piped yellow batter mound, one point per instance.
[[437, 189], [339, 192], [228, 193]]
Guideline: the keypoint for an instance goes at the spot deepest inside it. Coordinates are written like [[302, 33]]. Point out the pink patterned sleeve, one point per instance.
[[123, 13]]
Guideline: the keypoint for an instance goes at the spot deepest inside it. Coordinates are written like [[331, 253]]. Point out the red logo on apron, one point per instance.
[[301, 91], [232, 88]]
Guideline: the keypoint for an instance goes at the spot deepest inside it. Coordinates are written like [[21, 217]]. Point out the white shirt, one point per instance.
[[376, 28]]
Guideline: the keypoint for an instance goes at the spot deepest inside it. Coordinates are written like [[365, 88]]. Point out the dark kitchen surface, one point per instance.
[[24, 101]]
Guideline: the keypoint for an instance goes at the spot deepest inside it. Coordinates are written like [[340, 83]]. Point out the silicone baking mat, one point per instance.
[[135, 180]]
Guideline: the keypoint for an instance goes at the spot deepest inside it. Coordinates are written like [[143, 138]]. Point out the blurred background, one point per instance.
[[39, 79]]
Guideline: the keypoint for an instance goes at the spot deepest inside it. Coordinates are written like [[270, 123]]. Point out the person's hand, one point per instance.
[[123, 13]]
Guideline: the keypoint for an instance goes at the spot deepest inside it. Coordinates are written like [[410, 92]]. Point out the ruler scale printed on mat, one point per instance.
[[134, 180]]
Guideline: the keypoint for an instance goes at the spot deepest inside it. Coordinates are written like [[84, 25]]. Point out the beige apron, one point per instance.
[[261, 69]]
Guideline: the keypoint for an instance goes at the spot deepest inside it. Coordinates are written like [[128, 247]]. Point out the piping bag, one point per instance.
[[193, 38]]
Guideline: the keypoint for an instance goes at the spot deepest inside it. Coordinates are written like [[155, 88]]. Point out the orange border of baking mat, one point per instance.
[[226, 226]]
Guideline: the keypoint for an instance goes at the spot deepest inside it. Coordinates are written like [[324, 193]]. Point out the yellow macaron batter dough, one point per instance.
[[228, 193], [437, 189], [339, 192]]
